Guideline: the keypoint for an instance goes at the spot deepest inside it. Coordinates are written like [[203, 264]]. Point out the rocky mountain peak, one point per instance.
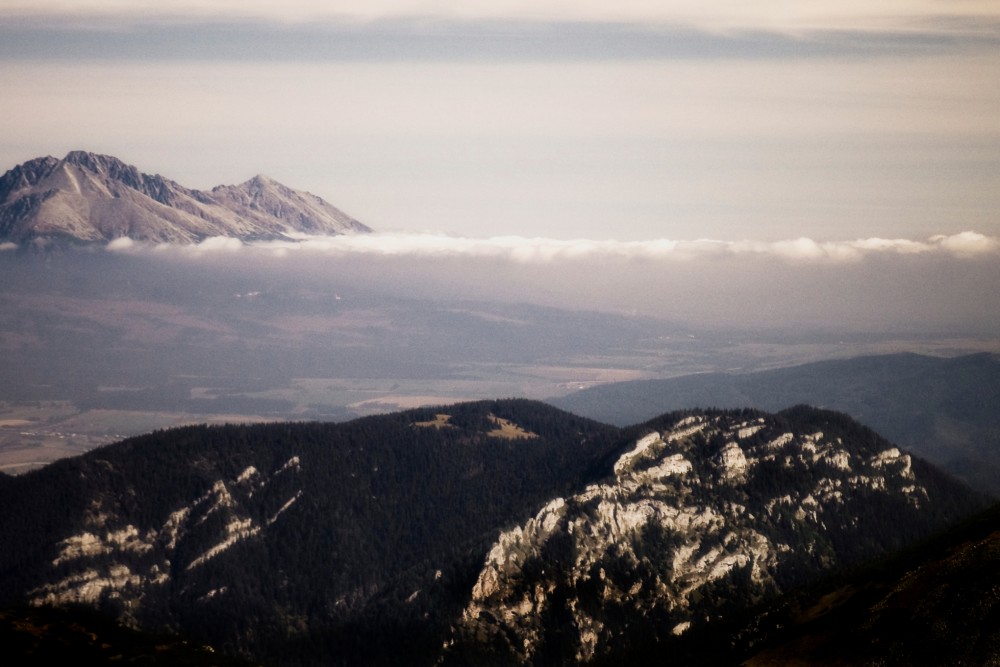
[[712, 511], [25, 175], [87, 197], [94, 161], [261, 181]]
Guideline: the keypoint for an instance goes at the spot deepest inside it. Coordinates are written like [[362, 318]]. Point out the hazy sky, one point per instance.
[[770, 163], [683, 120]]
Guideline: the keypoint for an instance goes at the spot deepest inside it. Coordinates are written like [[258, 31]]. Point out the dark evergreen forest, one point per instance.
[[394, 519], [369, 547]]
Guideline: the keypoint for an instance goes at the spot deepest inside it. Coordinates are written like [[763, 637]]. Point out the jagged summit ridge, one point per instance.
[[712, 509], [86, 197]]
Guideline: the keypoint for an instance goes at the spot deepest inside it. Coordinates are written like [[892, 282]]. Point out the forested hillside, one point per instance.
[[369, 542], [935, 604], [389, 518]]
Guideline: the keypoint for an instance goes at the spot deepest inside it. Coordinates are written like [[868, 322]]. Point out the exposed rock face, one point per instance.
[[97, 198], [109, 560], [712, 513]]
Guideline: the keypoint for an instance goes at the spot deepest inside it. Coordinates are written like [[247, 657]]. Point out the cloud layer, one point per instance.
[[947, 283], [968, 244]]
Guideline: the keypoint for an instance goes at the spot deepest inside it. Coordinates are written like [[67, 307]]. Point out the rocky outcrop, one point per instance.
[[112, 560], [715, 511]]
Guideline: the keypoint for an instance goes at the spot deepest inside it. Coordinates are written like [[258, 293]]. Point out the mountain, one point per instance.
[[294, 543], [705, 516], [506, 531], [943, 409], [85, 198]]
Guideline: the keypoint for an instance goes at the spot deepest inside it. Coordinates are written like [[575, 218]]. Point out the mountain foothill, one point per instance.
[[493, 532]]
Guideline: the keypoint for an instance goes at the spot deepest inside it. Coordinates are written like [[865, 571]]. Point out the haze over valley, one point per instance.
[[138, 326]]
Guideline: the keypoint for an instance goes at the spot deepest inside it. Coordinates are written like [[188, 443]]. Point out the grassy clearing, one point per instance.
[[509, 430]]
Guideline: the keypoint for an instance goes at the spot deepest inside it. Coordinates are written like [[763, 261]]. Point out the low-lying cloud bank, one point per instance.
[[944, 283], [968, 244]]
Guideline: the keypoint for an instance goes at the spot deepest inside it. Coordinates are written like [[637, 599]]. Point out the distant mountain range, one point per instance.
[[944, 409], [496, 532], [87, 198]]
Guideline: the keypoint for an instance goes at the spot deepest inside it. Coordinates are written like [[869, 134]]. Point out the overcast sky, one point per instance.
[[632, 121], [831, 164]]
